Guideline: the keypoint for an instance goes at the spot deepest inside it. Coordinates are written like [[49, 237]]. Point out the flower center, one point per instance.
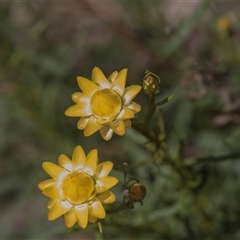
[[78, 187], [106, 104]]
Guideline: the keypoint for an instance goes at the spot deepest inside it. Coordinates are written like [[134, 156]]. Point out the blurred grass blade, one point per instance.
[[183, 30]]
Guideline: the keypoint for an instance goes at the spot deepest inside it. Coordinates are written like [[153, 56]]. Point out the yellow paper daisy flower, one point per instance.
[[104, 104], [78, 188]]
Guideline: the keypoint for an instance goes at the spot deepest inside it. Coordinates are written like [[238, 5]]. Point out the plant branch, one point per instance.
[[215, 159], [151, 109]]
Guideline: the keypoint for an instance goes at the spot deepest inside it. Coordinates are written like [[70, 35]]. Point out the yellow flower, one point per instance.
[[223, 24], [78, 188], [104, 104]]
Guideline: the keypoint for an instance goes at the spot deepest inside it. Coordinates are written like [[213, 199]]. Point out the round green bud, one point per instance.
[[151, 83]]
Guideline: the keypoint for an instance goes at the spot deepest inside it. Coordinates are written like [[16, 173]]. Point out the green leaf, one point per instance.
[[165, 100]]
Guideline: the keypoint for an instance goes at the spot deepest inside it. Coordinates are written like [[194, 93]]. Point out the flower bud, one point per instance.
[[137, 192], [150, 83], [225, 26]]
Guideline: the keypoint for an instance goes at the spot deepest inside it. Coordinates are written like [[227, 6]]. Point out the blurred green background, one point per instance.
[[193, 47]]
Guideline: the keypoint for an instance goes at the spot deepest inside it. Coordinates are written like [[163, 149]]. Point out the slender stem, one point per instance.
[[142, 129], [151, 109], [161, 123], [118, 209]]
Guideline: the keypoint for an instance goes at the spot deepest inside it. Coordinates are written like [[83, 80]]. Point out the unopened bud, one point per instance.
[[225, 26], [151, 83], [137, 192]]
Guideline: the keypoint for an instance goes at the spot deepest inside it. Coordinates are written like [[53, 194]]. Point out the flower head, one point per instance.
[[223, 24], [104, 104], [78, 187], [151, 83]]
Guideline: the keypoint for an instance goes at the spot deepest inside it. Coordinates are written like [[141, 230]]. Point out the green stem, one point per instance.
[[151, 109], [118, 209], [142, 129]]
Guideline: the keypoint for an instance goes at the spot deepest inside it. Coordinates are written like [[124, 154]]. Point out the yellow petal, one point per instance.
[[65, 162], [107, 182], [120, 81], [79, 110], [51, 202], [44, 184], [103, 121], [127, 123], [103, 169], [106, 132], [91, 127], [54, 170], [82, 123], [100, 189], [91, 163], [130, 93], [70, 218], [118, 127], [113, 76], [99, 78], [126, 113], [96, 209], [88, 87], [81, 212], [91, 218], [134, 106], [78, 157], [53, 192], [107, 197], [79, 97], [58, 209]]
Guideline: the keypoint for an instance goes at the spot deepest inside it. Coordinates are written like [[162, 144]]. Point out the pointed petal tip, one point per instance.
[[68, 112], [106, 132], [97, 210], [87, 86], [107, 197], [96, 67], [103, 169], [91, 127]]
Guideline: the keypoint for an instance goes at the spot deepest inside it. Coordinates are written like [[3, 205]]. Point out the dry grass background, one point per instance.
[[44, 45]]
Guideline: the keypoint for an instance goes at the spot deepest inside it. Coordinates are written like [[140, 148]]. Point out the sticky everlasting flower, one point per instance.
[[104, 104], [78, 188]]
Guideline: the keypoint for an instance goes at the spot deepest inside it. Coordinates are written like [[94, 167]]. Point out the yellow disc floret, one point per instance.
[[78, 187], [106, 104]]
